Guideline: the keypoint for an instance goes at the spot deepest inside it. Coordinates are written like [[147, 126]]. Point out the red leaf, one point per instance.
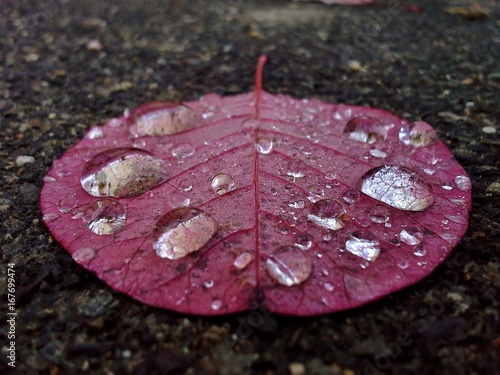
[[215, 205]]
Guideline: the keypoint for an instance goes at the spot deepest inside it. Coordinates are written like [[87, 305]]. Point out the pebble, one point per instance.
[[354, 65], [94, 45], [24, 159], [297, 368], [494, 187], [489, 130]]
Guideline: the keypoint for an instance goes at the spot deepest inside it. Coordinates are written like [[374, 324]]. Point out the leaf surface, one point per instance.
[[222, 204]]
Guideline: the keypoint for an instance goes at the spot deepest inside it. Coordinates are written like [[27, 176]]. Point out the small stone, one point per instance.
[[355, 65], [494, 187], [29, 193], [24, 159], [94, 45], [489, 130], [297, 368]]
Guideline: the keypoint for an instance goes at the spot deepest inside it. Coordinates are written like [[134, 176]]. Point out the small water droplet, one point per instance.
[[364, 245], [351, 195], [161, 119], [315, 191], [67, 204], [303, 241], [327, 213], [459, 219], [329, 287], [208, 284], [447, 186], [419, 251], [216, 304], [179, 199], [379, 214], [365, 129], [274, 191], [122, 173], [183, 150], [296, 168], [429, 171], [398, 187], [182, 231], [95, 133], [403, 264], [105, 217], [84, 255], [264, 145], [49, 179], [411, 236], [298, 204], [417, 134], [223, 183], [289, 266], [463, 183], [185, 185], [243, 260]]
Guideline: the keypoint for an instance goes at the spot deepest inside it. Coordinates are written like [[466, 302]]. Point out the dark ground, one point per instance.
[[432, 65]]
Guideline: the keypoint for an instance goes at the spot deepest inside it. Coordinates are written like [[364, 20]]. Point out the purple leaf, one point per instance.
[[214, 205]]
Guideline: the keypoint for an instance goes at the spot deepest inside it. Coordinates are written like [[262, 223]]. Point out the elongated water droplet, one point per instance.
[[379, 214], [365, 129], [411, 236], [327, 213], [84, 255], [161, 119], [398, 187], [182, 231], [223, 183], [417, 134], [67, 204], [364, 245], [296, 168], [463, 183], [289, 266], [183, 150], [122, 173], [105, 217], [243, 260], [264, 145]]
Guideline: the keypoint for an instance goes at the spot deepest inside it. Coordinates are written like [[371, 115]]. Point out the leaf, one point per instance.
[[218, 205]]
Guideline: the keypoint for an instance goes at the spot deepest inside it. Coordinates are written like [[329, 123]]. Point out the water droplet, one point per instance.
[[208, 284], [122, 172], [289, 266], [84, 255], [178, 199], [364, 245], [298, 204], [463, 183], [303, 241], [105, 217], [216, 304], [447, 186], [67, 204], [351, 195], [420, 251], [365, 129], [327, 213], [315, 191], [398, 187], [329, 287], [379, 214], [274, 191], [380, 150], [459, 219], [411, 236], [162, 119], [185, 185], [95, 133], [223, 183], [403, 264], [264, 145], [243, 260], [49, 179], [296, 168], [417, 134], [182, 231], [183, 150]]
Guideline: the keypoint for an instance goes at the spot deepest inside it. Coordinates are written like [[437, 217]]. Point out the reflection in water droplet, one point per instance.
[[163, 120], [264, 145], [327, 213], [417, 134], [84, 255], [243, 260], [122, 172], [411, 236], [223, 183], [296, 168], [303, 241], [379, 214], [351, 195], [67, 204], [105, 217], [182, 231], [463, 183], [289, 266], [363, 244], [183, 150], [398, 187], [216, 304], [365, 129]]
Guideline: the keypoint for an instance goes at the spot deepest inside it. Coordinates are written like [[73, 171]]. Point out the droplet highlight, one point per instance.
[[105, 217], [289, 266]]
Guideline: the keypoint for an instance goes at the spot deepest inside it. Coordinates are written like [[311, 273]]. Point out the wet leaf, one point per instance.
[[220, 204]]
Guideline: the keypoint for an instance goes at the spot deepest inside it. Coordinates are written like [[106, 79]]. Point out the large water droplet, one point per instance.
[[418, 134], [398, 187], [365, 129], [182, 231], [84, 255], [411, 236], [363, 244], [243, 260], [264, 145], [105, 217], [162, 119], [122, 172], [289, 266], [296, 168], [223, 183], [379, 214], [328, 213], [183, 150]]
